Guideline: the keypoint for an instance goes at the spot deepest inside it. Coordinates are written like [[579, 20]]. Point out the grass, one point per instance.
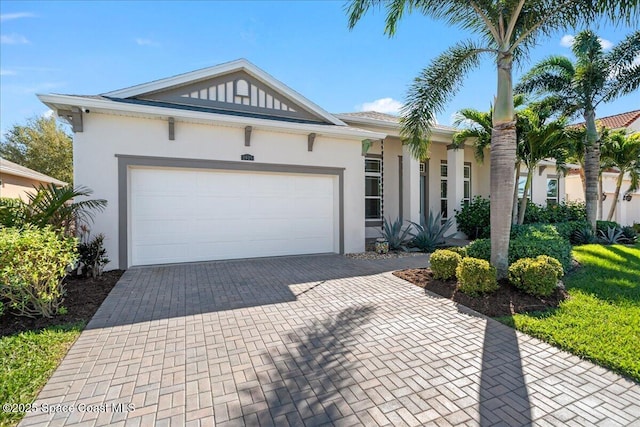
[[601, 319], [27, 360]]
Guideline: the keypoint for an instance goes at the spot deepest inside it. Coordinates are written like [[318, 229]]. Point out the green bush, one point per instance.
[[444, 263], [536, 276], [33, 263], [476, 276], [551, 214], [568, 228], [459, 250], [541, 231], [527, 246], [92, 256], [630, 234], [605, 225], [584, 236], [473, 219]]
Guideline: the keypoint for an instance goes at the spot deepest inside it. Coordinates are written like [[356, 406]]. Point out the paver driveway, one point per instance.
[[310, 341]]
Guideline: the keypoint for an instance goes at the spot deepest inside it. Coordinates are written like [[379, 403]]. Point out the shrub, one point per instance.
[[536, 276], [551, 214], [612, 236], [473, 219], [568, 228], [430, 232], [476, 276], [92, 257], [444, 263], [630, 234], [584, 236], [541, 231], [394, 234], [33, 263], [459, 250], [527, 246], [636, 227], [604, 225]]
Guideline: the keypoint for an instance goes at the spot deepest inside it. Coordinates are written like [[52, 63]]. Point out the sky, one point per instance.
[[92, 47]]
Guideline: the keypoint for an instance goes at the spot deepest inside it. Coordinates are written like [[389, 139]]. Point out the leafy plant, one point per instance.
[[444, 263], [430, 233], [395, 234], [536, 276], [636, 227], [33, 263], [612, 236], [473, 219], [584, 236], [604, 225], [459, 250], [92, 256], [476, 276], [630, 234], [55, 206]]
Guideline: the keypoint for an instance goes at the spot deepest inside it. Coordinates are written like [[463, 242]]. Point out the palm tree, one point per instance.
[[596, 77], [622, 151], [507, 29], [540, 139]]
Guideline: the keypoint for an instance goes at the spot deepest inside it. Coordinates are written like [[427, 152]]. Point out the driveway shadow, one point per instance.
[[168, 291], [311, 379]]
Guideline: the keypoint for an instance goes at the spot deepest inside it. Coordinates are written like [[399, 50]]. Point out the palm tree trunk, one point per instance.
[[591, 167], [583, 179], [615, 197], [503, 157], [514, 214], [600, 200], [525, 196]]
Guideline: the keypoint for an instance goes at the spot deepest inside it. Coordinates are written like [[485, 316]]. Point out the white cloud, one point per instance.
[[382, 105], [5, 72], [47, 114], [18, 15], [13, 39], [567, 41], [146, 42]]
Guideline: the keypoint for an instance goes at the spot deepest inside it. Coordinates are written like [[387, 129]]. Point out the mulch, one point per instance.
[[82, 299], [506, 301]]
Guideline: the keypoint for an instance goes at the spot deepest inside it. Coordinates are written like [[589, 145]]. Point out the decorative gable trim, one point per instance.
[[149, 89]]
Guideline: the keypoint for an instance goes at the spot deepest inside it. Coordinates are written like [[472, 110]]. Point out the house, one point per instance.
[[17, 181], [228, 162], [628, 207]]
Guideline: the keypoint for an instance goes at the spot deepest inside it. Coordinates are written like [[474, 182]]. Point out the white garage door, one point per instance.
[[179, 215]]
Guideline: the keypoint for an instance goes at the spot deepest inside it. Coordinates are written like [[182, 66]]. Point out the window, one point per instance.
[[372, 190], [522, 182], [444, 204], [552, 191], [466, 180]]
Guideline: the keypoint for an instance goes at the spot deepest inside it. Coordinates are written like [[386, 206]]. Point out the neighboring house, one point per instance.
[[628, 209], [228, 162], [16, 181]]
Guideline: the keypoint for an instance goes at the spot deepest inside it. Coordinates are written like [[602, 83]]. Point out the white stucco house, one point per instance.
[[228, 162], [628, 206]]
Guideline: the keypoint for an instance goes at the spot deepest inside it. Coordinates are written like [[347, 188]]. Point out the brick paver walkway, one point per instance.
[[317, 340]]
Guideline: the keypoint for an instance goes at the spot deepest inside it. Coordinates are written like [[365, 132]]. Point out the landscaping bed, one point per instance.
[[82, 299], [506, 301]]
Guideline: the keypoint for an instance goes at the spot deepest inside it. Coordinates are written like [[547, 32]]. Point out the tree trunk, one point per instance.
[[525, 196], [600, 199], [503, 157], [514, 214], [615, 197], [591, 167]]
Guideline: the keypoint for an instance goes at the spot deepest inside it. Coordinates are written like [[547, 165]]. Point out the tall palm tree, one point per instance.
[[622, 152], [506, 30], [596, 77]]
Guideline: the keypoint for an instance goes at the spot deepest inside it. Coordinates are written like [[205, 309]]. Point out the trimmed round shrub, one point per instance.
[[444, 263], [476, 276], [459, 250], [480, 248], [33, 263], [536, 276]]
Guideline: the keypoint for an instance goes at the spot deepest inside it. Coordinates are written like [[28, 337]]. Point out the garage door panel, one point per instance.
[[194, 215]]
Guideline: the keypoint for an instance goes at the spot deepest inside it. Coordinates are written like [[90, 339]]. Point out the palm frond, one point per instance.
[[431, 90]]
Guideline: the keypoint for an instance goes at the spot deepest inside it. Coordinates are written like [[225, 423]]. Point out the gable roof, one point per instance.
[[383, 119], [617, 121], [11, 168], [239, 65]]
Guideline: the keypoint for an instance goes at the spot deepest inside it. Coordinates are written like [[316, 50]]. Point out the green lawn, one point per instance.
[[601, 319], [27, 360]]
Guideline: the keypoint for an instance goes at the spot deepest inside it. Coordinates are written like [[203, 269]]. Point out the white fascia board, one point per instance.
[[390, 125], [56, 102], [226, 68]]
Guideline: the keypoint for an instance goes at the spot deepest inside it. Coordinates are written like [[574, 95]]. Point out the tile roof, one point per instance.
[[11, 168], [617, 121]]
